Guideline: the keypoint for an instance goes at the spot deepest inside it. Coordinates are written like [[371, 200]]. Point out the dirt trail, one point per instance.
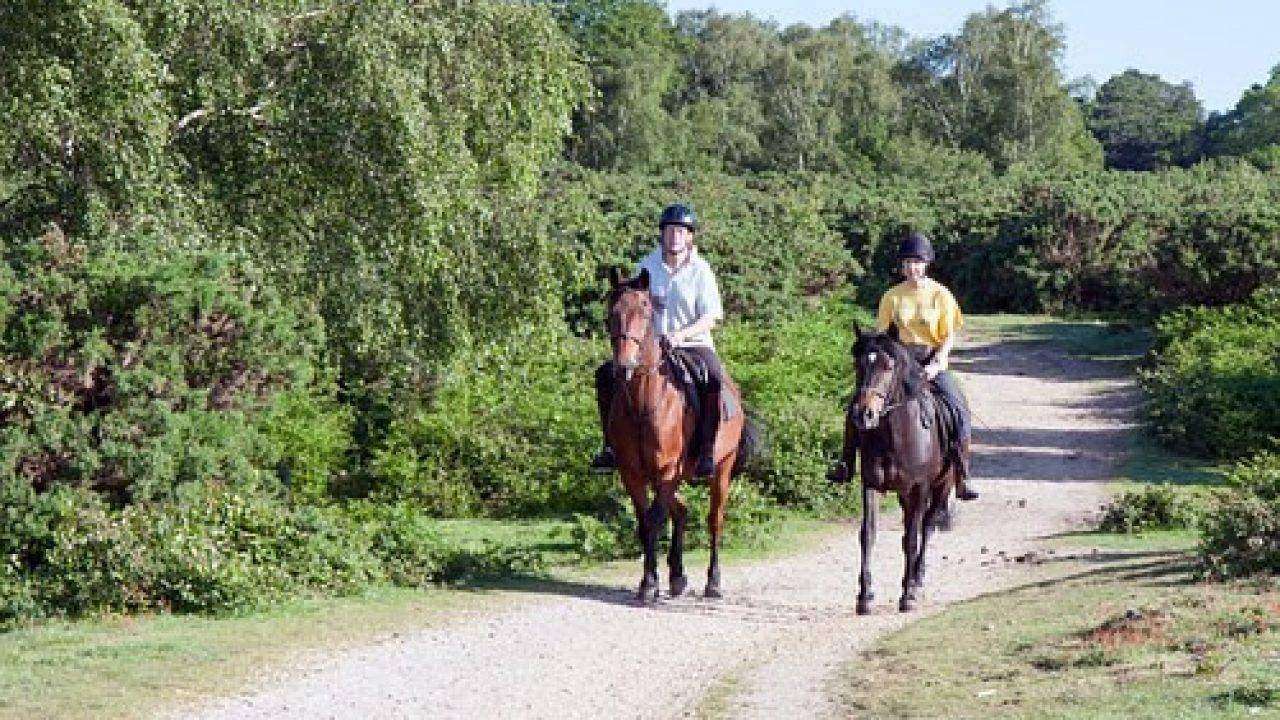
[[1050, 430]]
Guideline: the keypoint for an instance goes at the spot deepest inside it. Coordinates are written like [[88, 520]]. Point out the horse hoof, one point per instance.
[[678, 585], [712, 592], [647, 594], [906, 605], [864, 607]]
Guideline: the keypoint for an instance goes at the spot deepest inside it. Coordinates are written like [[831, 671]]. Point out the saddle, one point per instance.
[[936, 412], [693, 376]]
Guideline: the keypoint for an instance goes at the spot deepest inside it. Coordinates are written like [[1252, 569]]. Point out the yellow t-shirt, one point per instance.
[[926, 315]]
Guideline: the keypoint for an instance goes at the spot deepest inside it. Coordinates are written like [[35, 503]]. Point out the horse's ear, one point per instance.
[[642, 282], [615, 276], [893, 334], [857, 330]]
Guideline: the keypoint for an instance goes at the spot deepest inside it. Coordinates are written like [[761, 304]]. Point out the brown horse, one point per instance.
[[897, 426], [651, 429]]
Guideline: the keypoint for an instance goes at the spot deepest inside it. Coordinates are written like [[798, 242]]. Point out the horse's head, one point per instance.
[[630, 318], [880, 362]]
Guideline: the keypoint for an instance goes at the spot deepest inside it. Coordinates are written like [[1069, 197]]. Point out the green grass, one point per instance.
[[131, 666], [1146, 462], [1126, 634]]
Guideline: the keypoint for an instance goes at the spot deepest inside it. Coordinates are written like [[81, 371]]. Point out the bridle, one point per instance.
[[645, 369], [891, 398]]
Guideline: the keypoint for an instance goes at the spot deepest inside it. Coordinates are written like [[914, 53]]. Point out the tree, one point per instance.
[[996, 87], [1252, 128], [1145, 123], [630, 47], [376, 160]]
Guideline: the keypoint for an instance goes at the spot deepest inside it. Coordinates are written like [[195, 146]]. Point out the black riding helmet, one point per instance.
[[679, 214], [915, 246]]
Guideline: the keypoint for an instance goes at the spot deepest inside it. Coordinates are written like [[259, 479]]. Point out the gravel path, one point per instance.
[[1050, 430]]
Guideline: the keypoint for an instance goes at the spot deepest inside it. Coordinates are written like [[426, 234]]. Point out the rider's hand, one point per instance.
[[932, 369], [672, 340]]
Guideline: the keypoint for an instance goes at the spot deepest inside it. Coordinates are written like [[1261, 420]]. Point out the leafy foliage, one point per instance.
[[1214, 378], [1154, 507], [1241, 535], [1145, 123], [139, 372]]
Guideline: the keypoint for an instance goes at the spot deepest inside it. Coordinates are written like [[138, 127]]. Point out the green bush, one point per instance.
[[135, 372], [1241, 533], [1213, 378], [67, 554], [1154, 507]]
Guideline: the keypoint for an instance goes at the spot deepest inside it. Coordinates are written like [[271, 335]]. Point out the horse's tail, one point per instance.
[[749, 443]]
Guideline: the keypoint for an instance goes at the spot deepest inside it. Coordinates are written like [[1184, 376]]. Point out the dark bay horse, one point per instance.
[[895, 425], [651, 429]]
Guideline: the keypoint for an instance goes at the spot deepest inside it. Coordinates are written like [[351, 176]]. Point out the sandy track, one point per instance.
[[1050, 430]]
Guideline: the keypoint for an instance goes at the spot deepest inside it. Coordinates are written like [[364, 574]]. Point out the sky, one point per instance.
[[1222, 47]]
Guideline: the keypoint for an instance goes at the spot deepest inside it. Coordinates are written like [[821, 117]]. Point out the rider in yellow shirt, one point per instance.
[[928, 318]]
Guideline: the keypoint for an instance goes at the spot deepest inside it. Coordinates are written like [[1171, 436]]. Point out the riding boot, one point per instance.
[[605, 461], [963, 490], [710, 424]]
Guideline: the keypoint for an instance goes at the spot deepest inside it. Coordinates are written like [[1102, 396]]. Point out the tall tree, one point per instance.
[[1145, 123], [1252, 128], [996, 87], [630, 46]]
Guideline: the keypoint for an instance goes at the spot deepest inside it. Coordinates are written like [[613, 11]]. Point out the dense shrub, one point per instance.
[[1214, 376], [1024, 241], [1154, 507], [136, 372], [66, 553], [1242, 532]]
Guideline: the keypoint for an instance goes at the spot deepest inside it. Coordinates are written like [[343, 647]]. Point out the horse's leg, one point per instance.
[[867, 536], [655, 521], [635, 485], [675, 554], [913, 515], [937, 508], [715, 522]]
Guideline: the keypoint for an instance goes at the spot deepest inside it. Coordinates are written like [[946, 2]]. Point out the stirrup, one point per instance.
[[839, 473], [604, 462]]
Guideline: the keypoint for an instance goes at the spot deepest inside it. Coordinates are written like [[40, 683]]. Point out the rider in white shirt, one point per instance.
[[687, 306]]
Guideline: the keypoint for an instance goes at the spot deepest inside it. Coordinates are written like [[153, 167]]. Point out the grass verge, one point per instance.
[[1125, 634]]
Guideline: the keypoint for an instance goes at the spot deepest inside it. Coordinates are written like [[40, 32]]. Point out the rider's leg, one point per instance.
[[947, 385], [709, 422], [604, 461]]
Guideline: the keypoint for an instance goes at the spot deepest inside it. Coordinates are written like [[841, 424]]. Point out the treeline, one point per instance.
[[710, 90]]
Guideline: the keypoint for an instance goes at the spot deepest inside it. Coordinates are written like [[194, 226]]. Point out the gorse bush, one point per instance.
[[1241, 533], [1154, 507], [137, 372], [66, 553], [1026, 241], [1214, 377]]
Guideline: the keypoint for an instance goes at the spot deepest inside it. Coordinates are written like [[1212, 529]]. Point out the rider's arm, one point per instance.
[[941, 356], [706, 323]]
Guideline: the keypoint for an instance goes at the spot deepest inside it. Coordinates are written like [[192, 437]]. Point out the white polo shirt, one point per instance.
[[682, 296]]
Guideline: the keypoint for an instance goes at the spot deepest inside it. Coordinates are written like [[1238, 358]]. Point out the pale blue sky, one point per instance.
[[1222, 47]]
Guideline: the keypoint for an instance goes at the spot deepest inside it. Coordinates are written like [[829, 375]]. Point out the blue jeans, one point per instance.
[[950, 389]]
